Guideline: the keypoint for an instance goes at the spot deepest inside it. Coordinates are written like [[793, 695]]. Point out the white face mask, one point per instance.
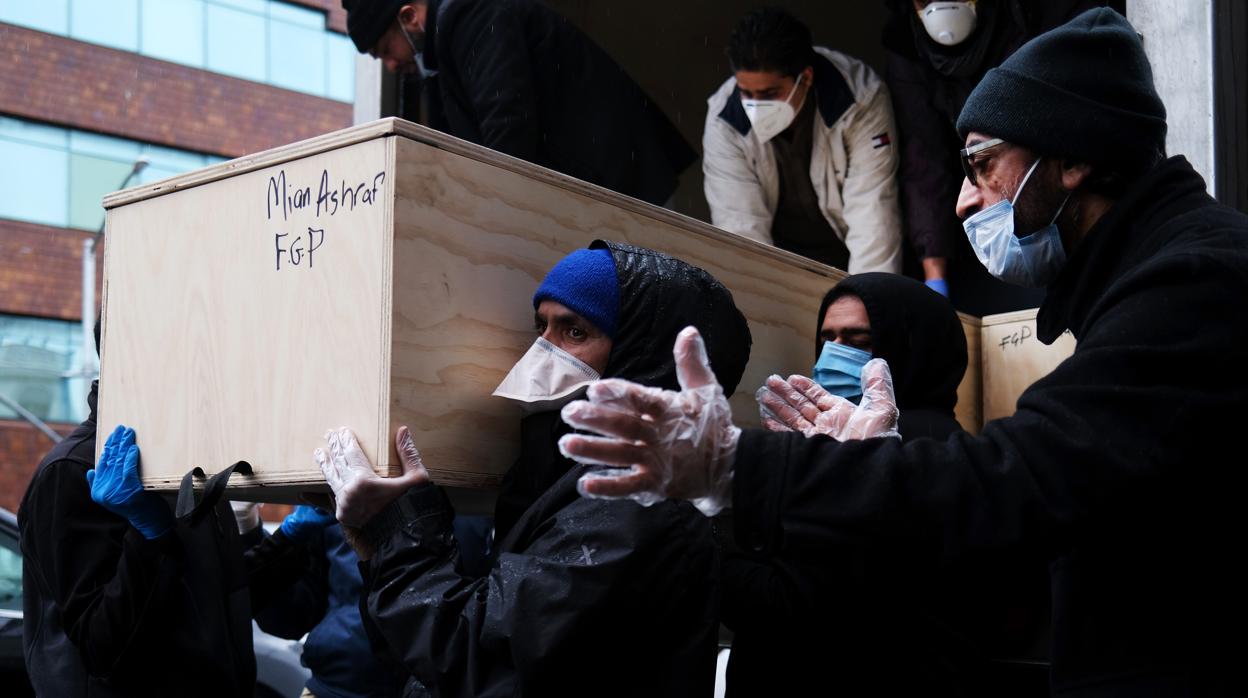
[[948, 23], [1033, 261], [771, 116], [546, 378]]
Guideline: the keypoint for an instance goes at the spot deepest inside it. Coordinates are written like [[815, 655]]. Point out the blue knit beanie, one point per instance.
[[1083, 90], [585, 282]]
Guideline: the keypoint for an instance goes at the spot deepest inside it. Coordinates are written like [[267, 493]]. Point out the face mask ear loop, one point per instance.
[[794, 91], [1025, 178]]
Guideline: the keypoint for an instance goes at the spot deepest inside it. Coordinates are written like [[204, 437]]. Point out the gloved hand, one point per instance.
[[246, 515], [303, 522], [114, 483], [800, 404], [659, 443], [938, 285], [359, 492]]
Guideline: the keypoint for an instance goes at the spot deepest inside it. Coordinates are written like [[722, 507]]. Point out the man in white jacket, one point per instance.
[[798, 149]]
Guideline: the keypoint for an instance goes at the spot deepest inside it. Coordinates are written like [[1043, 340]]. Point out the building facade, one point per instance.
[[94, 93]]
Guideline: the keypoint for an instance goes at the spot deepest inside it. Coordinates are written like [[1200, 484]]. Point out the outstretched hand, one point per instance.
[[656, 443]]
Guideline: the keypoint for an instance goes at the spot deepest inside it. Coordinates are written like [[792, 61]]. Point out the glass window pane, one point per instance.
[[35, 353], [112, 23], [31, 132], [260, 7], [297, 57], [173, 159], [174, 31], [104, 146], [292, 14], [155, 173], [90, 178], [341, 69], [236, 43], [51, 16], [35, 191]]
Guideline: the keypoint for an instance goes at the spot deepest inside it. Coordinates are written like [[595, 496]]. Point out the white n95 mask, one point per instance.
[[948, 23], [546, 378], [770, 116]]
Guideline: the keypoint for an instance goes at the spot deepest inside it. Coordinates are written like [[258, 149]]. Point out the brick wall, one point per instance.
[[41, 270], [70, 83], [21, 448]]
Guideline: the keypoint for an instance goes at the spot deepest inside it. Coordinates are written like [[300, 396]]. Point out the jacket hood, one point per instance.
[[660, 296], [915, 330]]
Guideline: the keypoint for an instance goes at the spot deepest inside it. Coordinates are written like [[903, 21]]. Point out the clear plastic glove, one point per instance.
[[657, 443], [800, 404], [114, 483], [359, 492], [302, 523], [246, 515]]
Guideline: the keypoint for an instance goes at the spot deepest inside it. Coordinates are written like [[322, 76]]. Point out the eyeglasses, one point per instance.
[[968, 159]]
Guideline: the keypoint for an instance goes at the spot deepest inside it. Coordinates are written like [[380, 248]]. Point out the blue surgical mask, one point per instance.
[[1033, 261], [839, 370]]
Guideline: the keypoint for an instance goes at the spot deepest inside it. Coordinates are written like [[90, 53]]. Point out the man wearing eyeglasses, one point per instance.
[[937, 52], [1120, 468]]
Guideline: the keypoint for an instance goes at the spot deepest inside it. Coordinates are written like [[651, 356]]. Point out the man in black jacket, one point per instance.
[[104, 583], [1116, 466], [574, 580], [514, 76]]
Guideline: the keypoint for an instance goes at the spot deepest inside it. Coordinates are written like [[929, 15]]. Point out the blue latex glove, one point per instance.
[[114, 484], [938, 285], [303, 522]]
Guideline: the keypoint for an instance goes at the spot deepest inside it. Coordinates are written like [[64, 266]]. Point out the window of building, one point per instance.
[[267, 41], [112, 23], [65, 173], [36, 354]]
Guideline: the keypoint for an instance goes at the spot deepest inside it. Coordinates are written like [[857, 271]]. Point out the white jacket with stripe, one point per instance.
[[853, 166]]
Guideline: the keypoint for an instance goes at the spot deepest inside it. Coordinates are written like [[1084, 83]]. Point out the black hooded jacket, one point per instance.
[[1119, 466], [587, 596], [918, 333], [806, 626], [98, 596], [515, 76]]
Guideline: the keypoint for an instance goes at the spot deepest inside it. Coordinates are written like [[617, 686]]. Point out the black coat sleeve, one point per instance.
[[289, 583], [108, 581], [1133, 422], [490, 58]]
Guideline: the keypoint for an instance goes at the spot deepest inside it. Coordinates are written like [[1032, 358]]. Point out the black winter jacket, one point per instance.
[[515, 76], [587, 596], [97, 594], [847, 624], [1119, 466]]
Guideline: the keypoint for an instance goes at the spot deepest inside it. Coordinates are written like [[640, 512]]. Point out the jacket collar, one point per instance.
[[430, 55], [1128, 234], [832, 96]]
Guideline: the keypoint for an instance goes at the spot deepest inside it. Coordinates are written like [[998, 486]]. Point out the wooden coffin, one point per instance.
[[376, 276]]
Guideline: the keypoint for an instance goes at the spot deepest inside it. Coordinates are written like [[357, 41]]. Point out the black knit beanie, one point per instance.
[[1082, 91], [367, 20]]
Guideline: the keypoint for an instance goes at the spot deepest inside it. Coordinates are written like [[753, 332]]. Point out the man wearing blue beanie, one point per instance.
[[1114, 468], [574, 580]]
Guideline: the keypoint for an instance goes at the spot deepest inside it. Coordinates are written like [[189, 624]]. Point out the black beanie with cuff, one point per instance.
[[1082, 91]]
